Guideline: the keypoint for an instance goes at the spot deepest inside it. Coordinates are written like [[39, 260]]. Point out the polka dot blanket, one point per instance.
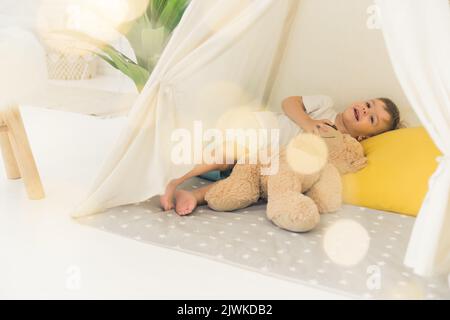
[[357, 252]]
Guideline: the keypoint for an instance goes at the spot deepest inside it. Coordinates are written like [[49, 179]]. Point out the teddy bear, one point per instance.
[[295, 199]]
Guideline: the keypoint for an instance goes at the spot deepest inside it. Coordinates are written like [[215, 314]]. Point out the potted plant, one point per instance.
[[147, 34]]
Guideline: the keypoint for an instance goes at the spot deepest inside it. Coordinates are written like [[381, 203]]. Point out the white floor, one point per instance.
[[45, 254]]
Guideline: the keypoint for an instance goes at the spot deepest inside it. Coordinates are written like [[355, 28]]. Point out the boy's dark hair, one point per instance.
[[394, 112]]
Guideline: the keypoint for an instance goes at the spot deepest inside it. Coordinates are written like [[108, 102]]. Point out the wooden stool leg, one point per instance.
[[11, 167], [22, 151]]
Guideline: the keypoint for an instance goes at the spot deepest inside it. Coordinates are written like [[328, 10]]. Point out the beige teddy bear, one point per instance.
[[295, 200]]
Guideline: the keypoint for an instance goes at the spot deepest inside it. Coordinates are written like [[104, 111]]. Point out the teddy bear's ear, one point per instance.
[[359, 164]]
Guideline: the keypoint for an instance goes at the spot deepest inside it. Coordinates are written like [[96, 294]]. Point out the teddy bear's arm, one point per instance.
[[327, 191]]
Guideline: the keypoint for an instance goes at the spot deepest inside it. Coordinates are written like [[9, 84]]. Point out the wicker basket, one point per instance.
[[67, 62], [69, 66]]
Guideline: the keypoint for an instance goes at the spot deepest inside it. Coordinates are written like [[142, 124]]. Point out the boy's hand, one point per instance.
[[314, 126]]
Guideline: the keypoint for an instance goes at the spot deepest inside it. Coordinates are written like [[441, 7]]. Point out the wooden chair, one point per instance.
[[17, 154]]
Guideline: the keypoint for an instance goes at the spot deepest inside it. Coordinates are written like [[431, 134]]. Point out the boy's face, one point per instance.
[[366, 118]]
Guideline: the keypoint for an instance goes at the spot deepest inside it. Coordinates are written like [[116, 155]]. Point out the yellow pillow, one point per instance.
[[400, 164]]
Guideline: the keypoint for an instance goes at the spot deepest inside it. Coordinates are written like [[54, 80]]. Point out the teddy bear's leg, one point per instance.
[[327, 192], [287, 207], [240, 190]]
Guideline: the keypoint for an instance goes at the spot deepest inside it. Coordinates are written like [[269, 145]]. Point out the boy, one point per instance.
[[361, 120]]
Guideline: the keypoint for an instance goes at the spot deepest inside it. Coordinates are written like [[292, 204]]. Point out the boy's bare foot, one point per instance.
[[166, 200], [186, 202]]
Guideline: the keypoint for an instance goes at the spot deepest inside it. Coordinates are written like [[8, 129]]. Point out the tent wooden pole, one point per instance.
[[10, 163], [17, 154]]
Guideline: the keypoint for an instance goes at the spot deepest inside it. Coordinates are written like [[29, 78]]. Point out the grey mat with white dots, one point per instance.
[[356, 251]]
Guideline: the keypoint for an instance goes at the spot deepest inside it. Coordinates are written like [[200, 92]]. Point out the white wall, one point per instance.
[[18, 13], [332, 51]]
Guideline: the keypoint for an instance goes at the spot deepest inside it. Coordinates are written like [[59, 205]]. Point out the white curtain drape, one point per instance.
[[219, 58], [417, 35], [223, 55]]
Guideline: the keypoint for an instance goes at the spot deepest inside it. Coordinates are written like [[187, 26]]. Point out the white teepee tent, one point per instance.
[[225, 54]]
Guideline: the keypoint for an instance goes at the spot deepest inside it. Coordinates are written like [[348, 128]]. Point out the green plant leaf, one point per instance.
[[154, 11], [172, 13], [115, 58], [149, 33], [138, 74], [134, 37], [106, 59]]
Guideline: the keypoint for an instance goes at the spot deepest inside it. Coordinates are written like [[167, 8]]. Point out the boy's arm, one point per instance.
[[294, 108]]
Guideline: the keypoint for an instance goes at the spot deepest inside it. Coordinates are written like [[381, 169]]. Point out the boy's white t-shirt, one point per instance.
[[317, 107]]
